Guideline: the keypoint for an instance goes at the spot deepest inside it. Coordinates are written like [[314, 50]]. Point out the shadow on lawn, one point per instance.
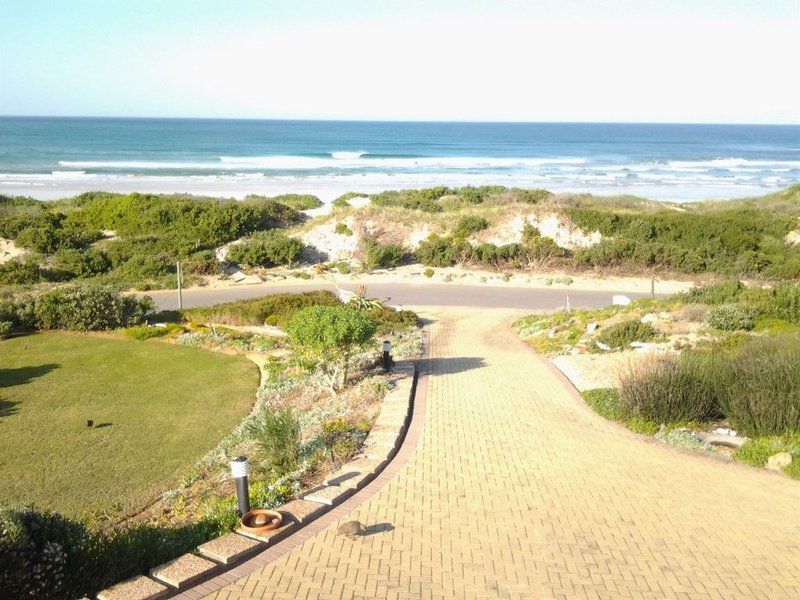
[[21, 375]]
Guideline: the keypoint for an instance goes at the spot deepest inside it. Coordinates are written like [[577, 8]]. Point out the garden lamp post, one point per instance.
[[387, 355], [240, 469]]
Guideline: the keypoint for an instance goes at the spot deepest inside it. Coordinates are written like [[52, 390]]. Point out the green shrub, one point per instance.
[[298, 201], [669, 389], [762, 396], [383, 256], [389, 320], [621, 334], [344, 267], [344, 200], [428, 272], [787, 302], [146, 332], [442, 251], [718, 293], [732, 317], [343, 229], [88, 308], [275, 309], [426, 200], [202, 263], [269, 248], [72, 263], [605, 402], [468, 225], [278, 437], [341, 439], [756, 451], [5, 329], [20, 271]]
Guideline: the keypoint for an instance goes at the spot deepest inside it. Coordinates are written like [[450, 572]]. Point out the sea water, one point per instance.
[[48, 157]]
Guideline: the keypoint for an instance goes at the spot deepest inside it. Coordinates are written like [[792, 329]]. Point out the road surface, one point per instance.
[[407, 294]]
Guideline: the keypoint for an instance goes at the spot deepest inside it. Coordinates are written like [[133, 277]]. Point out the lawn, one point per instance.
[[156, 408]]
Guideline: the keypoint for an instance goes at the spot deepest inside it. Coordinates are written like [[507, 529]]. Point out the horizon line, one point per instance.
[[370, 120]]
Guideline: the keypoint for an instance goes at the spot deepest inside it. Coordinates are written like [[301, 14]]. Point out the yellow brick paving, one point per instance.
[[516, 490]]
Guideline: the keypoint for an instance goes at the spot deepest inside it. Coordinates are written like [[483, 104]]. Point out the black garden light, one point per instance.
[[387, 355], [240, 469]]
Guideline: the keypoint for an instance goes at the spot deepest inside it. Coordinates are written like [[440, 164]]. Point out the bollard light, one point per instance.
[[240, 469], [387, 355]]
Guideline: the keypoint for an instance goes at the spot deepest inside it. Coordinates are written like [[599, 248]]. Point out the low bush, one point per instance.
[[621, 334], [762, 394], [732, 317], [342, 229], [382, 256], [269, 248], [298, 201], [20, 271], [344, 200], [757, 450], [275, 309], [5, 329], [426, 200], [202, 263], [468, 225], [341, 439], [72, 263], [390, 320], [146, 332], [277, 434], [669, 389], [428, 272], [89, 308]]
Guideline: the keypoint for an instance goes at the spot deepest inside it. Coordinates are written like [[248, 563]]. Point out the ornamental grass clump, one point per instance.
[[669, 389], [762, 396]]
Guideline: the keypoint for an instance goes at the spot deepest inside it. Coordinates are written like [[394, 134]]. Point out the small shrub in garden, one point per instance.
[[757, 450], [5, 329], [278, 437], [383, 256], [341, 439], [298, 201], [620, 335], [344, 267], [331, 334], [20, 271], [669, 389], [732, 317], [605, 402], [428, 272]]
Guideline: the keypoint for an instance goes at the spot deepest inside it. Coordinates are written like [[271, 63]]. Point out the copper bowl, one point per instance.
[[261, 520]]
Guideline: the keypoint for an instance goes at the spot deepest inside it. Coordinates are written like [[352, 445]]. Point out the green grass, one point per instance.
[[165, 406]]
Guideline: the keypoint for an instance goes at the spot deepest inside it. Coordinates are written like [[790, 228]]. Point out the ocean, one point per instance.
[[49, 157]]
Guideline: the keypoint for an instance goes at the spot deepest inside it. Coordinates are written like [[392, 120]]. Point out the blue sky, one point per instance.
[[614, 60]]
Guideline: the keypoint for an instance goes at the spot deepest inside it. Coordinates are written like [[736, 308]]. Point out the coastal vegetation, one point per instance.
[[720, 356]]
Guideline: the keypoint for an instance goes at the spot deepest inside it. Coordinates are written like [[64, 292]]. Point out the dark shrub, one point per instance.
[[20, 271], [620, 335], [382, 256], [202, 263], [72, 263]]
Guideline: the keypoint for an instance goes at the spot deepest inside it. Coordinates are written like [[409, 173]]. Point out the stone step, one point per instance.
[[184, 570], [135, 588], [230, 548]]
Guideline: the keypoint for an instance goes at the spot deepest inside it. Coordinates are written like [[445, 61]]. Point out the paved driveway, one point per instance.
[[517, 490]]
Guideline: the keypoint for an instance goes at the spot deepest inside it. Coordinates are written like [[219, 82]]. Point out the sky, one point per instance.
[[714, 61]]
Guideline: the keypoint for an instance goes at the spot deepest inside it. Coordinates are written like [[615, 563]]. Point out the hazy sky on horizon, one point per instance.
[[499, 60]]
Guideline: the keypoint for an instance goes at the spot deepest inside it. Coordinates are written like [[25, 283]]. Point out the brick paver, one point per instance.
[[517, 490]]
